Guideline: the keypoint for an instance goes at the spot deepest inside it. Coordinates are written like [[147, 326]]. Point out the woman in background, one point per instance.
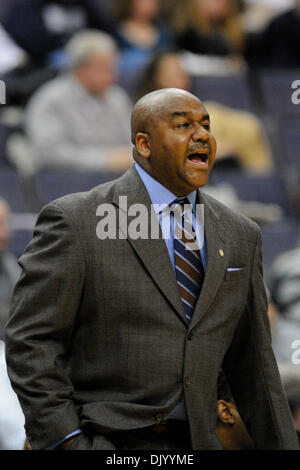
[[209, 27], [139, 33]]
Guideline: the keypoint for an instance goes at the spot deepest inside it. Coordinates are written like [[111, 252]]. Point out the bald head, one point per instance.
[[153, 106], [172, 139]]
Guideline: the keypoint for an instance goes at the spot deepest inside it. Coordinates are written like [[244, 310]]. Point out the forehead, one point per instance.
[[182, 106]]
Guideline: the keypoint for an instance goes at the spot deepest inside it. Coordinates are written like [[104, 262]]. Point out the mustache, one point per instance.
[[199, 148]]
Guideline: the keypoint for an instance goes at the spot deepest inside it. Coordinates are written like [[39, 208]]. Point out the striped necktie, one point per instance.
[[188, 264]]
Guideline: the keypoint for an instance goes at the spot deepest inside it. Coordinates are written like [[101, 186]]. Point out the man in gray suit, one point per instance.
[[108, 346]]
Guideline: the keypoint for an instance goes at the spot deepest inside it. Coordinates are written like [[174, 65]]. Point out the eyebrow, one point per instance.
[[205, 117]]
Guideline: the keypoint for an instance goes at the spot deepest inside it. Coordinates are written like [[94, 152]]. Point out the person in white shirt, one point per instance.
[[12, 432], [9, 269], [80, 119]]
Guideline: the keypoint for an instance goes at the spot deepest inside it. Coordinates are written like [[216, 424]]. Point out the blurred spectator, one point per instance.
[[291, 384], [165, 70], [37, 31], [238, 133], [274, 5], [257, 13], [81, 120], [211, 27], [11, 54], [231, 430], [41, 27], [12, 433], [21, 76], [284, 286], [140, 35], [278, 45], [9, 270]]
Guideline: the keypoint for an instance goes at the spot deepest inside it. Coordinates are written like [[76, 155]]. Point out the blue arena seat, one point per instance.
[[11, 190], [130, 75], [19, 240], [277, 92], [51, 185], [230, 91], [279, 238], [291, 142], [4, 132], [268, 188]]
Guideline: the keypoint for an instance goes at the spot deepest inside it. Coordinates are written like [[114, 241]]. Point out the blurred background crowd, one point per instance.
[[72, 71]]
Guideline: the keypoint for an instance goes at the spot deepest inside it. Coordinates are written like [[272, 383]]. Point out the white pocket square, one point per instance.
[[234, 269]]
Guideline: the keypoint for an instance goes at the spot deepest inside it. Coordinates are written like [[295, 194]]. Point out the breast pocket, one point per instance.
[[234, 274]]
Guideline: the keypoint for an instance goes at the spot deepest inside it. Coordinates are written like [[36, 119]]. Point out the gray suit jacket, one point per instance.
[[98, 339]]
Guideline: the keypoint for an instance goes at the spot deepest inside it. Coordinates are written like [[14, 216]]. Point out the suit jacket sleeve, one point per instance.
[[40, 326], [252, 372]]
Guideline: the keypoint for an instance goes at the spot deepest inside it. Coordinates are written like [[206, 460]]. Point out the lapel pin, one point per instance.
[[221, 252]]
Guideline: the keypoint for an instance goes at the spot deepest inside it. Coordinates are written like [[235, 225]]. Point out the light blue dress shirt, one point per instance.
[[160, 196]]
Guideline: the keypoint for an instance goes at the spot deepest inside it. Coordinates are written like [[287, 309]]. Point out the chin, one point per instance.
[[200, 180]]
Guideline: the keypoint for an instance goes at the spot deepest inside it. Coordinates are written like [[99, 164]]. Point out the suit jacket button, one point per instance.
[[187, 381], [190, 336]]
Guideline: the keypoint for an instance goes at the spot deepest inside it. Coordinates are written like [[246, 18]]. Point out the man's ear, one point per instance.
[[226, 412], [142, 143]]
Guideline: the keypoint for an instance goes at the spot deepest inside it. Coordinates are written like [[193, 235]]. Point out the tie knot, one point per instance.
[[181, 201], [182, 207]]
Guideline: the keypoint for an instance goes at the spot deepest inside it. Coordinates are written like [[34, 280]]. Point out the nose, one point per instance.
[[200, 134]]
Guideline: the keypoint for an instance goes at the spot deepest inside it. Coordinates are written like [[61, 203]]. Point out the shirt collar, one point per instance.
[[158, 193]]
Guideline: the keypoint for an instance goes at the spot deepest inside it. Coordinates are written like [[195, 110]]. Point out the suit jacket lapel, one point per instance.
[[217, 251], [152, 252]]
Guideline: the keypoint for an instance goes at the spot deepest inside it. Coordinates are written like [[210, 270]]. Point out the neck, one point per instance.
[[178, 192]]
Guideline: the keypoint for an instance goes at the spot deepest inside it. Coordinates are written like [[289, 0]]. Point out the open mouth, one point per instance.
[[199, 159]]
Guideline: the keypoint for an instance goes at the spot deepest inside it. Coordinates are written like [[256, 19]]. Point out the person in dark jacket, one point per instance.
[[47, 25], [278, 46]]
